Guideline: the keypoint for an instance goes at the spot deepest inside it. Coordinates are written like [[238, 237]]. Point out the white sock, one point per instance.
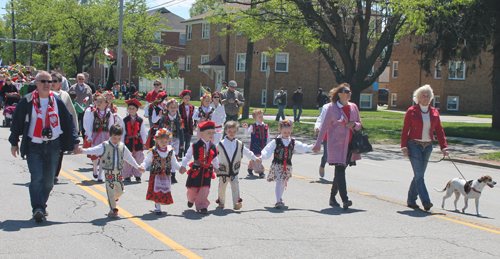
[[280, 188], [158, 207], [100, 171], [94, 162]]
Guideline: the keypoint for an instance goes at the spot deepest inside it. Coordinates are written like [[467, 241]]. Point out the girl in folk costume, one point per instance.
[[259, 138], [231, 152], [218, 116], [281, 149], [202, 169], [186, 110], [97, 121], [172, 121], [134, 136], [114, 109], [204, 112], [162, 160], [156, 109]]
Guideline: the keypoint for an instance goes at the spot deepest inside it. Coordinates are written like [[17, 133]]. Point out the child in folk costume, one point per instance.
[[162, 160], [172, 121], [218, 116], [134, 138], [204, 112], [186, 110], [114, 154], [259, 138], [231, 152], [97, 121], [114, 109], [156, 109], [202, 169], [281, 149]]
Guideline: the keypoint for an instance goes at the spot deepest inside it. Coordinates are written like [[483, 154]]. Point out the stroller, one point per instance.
[[11, 100]]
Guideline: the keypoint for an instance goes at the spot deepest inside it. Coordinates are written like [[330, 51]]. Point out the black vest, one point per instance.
[[133, 143], [280, 152]]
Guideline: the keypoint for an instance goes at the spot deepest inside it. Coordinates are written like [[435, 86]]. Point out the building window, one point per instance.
[[371, 71], [457, 70], [157, 38], [275, 93], [366, 101], [281, 62], [437, 70], [436, 102], [395, 69], [263, 62], [394, 99], [182, 39], [240, 62], [188, 63], [205, 32], [204, 59], [155, 62], [189, 32], [452, 103], [263, 97], [182, 63]]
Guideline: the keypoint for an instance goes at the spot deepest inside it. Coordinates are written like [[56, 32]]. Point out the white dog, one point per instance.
[[470, 190]]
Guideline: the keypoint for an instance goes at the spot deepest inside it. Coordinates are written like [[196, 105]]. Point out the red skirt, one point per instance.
[[158, 197]]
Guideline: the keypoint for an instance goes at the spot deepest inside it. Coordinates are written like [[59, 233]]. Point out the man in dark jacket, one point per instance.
[[297, 99], [8, 87], [321, 100], [42, 139]]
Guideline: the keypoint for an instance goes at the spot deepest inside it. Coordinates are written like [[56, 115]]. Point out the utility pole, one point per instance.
[[13, 31], [31, 51], [120, 40]]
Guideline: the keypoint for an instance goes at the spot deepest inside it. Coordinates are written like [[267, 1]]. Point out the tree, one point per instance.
[[203, 6], [352, 35], [81, 31], [464, 32]]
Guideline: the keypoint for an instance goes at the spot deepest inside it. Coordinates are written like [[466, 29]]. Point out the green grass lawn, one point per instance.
[[492, 156]]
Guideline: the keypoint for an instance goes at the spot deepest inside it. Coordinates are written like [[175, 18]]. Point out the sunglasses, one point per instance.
[[55, 81], [215, 97], [80, 78], [45, 81], [156, 84], [347, 91]]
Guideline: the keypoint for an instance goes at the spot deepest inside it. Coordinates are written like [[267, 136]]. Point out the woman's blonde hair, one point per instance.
[[334, 93], [158, 81], [421, 89]]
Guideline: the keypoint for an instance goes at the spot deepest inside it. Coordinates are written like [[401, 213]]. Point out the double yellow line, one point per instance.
[[157, 234]]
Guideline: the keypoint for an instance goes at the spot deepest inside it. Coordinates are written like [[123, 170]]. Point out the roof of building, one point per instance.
[[217, 61], [174, 21], [225, 6]]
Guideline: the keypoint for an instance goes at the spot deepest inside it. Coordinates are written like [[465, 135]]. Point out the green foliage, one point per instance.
[[203, 6]]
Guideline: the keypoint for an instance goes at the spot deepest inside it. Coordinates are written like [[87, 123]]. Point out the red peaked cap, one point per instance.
[[160, 95], [188, 92], [207, 125], [133, 102]]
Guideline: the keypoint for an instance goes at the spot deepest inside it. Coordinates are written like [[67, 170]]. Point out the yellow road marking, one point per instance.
[[157, 234]]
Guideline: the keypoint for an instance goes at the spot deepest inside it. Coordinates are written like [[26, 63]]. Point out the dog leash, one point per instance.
[[456, 168], [437, 161]]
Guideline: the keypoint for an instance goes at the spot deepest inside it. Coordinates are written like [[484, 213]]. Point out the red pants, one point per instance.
[[199, 196]]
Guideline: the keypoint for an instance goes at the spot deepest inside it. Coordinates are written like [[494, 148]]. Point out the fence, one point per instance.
[[173, 86]]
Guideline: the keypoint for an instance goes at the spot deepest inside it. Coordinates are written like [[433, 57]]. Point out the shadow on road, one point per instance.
[[417, 213], [22, 184], [16, 225], [337, 211], [104, 221]]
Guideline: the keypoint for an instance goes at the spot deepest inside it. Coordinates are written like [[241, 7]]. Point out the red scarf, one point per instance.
[[51, 117]]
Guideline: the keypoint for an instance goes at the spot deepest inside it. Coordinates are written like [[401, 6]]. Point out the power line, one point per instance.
[[154, 7]]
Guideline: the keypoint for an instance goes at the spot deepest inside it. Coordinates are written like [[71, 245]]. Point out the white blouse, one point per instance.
[[268, 151], [219, 115], [143, 131], [173, 160]]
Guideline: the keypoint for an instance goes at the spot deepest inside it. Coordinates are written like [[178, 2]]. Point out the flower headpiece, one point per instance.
[[109, 95], [162, 132], [286, 123], [98, 94], [205, 95]]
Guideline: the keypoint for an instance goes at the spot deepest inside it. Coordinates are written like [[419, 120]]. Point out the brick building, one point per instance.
[[455, 88], [226, 55], [174, 38]]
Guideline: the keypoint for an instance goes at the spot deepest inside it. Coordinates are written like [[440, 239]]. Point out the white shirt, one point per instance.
[[230, 147], [99, 150], [143, 131], [426, 130], [321, 118], [81, 87], [268, 151], [219, 115], [44, 103], [189, 155], [173, 160], [187, 110], [250, 130], [88, 121], [196, 114], [156, 117]]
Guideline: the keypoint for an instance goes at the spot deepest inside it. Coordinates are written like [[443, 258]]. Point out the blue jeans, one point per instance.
[[231, 118], [42, 163], [324, 158], [295, 117], [417, 186], [281, 111]]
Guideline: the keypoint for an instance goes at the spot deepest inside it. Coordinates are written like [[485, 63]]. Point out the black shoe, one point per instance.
[[250, 172], [190, 204], [204, 211], [172, 177], [413, 206], [262, 175], [56, 179], [138, 179], [127, 179], [334, 203], [95, 176], [38, 215], [428, 206], [158, 212], [347, 204], [99, 180]]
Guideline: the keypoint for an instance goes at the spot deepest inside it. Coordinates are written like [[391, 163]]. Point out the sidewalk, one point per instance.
[[446, 117]]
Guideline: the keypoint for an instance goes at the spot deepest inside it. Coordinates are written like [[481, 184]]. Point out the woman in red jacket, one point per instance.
[[421, 120]]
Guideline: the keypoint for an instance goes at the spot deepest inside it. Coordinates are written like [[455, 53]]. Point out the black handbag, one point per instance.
[[360, 143]]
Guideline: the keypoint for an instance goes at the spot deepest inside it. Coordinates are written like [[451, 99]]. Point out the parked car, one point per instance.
[[383, 96]]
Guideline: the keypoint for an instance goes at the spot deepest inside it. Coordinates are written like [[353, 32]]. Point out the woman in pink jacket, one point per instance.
[[416, 142], [341, 119]]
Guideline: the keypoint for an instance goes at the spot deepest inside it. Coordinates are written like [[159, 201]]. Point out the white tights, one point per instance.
[[95, 162], [280, 188], [158, 207]]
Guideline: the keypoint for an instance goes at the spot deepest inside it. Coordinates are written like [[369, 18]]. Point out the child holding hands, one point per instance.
[[204, 112], [259, 138]]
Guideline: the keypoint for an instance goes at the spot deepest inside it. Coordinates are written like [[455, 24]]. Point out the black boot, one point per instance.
[[250, 172], [172, 177]]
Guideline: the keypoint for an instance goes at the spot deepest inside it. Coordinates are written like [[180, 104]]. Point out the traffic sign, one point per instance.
[[168, 65]]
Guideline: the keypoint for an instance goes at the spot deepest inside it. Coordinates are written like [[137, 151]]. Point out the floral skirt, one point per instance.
[[153, 194], [278, 173], [97, 139]]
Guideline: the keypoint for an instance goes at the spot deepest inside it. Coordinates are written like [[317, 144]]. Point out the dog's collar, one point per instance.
[[474, 189]]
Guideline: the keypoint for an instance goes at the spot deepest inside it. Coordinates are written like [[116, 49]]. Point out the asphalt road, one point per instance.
[[378, 225]]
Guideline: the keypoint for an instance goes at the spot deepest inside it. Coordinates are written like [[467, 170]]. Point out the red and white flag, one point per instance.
[[108, 53]]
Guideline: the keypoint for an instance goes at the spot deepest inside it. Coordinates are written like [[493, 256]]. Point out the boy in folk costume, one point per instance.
[[114, 153], [172, 121], [219, 116], [156, 110], [97, 122], [162, 159], [231, 152], [186, 110], [134, 137], [259, 138], [204, 112], [202, 169]]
